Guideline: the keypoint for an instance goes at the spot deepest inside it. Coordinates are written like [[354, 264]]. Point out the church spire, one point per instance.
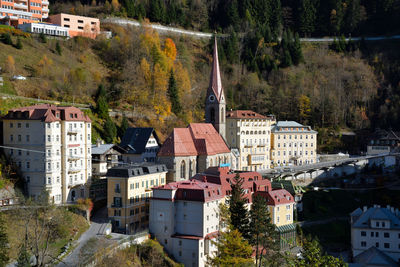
[[215, 77]]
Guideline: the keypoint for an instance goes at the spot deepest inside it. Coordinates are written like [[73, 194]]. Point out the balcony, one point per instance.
[[20, 6], [116, 205], [256, 159], [15, 12], [45, 16], [45, 9], [25, 1], [73, 158], [46, 3], [72, 131], [261, 145], [74, 170]]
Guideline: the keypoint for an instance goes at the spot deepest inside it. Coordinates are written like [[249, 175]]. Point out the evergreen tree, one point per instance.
[[174, 94], [23, 257], [276, 16], [296, 52], [124, 126], [287, 59], [157, 10], [42, 37], [237, 208], [4, 247], [307, 16], [262, 231], [101, 103], [335, 45], [6, 39], [232, 250], [110, 131], [342, 43], [353, 16], [58, 48], [19, 43]]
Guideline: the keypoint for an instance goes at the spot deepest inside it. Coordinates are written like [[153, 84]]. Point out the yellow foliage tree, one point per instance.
[[43, 65], [10, 64], [115, 5], [170, 49], [304, 107]]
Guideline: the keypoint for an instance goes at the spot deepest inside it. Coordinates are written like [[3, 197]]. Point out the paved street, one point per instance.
[[98, 223]]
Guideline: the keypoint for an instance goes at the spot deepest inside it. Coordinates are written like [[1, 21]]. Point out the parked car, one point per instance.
[[19, 77]]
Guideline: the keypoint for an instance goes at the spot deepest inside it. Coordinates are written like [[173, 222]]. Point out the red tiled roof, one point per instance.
[[277, 197], [194, 190], [244, 114], [196, 139], [192, 237], [47, 113], [252, 181]]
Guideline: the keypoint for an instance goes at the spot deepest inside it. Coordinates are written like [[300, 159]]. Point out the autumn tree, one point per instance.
[[170, 49], [173, 94], [237, 207], [304, 107], [232, 250], [85, 205], [10, 64]]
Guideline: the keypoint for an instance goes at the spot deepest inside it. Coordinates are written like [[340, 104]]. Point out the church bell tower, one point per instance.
[[215, 99]]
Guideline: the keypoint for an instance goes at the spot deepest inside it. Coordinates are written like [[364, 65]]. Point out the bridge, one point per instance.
[[330, 168]]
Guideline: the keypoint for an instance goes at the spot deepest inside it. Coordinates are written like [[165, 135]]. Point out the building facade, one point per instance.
[[190, 150], [250, 133], [293, 143], [184, 217], [140, 144], [383, 142], [48, 29], [376, 227], [77, 25], [52, 147], [19, 12], [129, 192], [104, 157]]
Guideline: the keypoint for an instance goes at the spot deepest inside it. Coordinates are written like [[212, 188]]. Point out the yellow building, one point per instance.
[[293, 143], [128, 193], [249, 133]]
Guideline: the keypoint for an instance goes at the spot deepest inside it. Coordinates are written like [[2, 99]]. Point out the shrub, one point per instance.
[[6, 38], [19, 44]]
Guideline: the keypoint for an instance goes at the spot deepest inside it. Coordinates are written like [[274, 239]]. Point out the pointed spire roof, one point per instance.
[[215, 78]]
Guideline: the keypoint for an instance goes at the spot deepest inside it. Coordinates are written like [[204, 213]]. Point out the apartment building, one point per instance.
[[52, 147], [46, 28], [16, 12], [77, 25], [129, 192], [141, 145], [376, 227], [190, 150], [250, 133], [293, 143], [184, 217]]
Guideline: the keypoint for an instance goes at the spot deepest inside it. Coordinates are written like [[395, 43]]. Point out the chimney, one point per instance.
[[365, 209], [98, 142]]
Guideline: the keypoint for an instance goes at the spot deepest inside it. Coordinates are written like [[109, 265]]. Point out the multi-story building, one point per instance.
[[141, 145], [16, 12], [52, 147], [376, 227], [77, 25], [184, 217], [250, 133], [293, 143], [383, 142], [104, 157], [129, 192], [190, 150], [46, 28]]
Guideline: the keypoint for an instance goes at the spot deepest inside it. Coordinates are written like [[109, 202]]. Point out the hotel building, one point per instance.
[[52, 147], [77, 25], [16, 12]]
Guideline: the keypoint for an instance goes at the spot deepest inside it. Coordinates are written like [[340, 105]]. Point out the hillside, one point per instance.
[[325, 89]]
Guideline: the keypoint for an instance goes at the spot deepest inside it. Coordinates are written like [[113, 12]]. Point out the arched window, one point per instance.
[[190, 168], [212, 115], [222, 115], [183, 169], [211, 163]]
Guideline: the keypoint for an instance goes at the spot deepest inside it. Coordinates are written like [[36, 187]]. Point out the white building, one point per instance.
[[52, 147], [46, 28], [250, 133], [184, 218], [376, 227]]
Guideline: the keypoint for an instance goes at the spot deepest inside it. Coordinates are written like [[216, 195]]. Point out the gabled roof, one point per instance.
[[374, 257], [244, 114], [196, 139], [104, 148], [277, 197], [376, 213], [138, 169], [47, 113], [215, 86], [135, 139]]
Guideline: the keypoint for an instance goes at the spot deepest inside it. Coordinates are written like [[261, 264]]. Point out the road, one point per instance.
[[207, 35], [99, 220]]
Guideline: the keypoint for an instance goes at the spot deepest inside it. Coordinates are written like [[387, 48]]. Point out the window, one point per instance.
[[377, 244], [132, 212], [372, 234], [383, 224], [386, 235], [48, 138], [11, 125], [26, 125], [19, 138], [363, 233], [180, 242], [117, 188], [66, 19], [277, 219], [363, 243], [288, 207], [80, 27], [11, 138], [287, 217], [386, 245], [27, 138], [183, 169], [28, 165], [49, 180], [19, 125]]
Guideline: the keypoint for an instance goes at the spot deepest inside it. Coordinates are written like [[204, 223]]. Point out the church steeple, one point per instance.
[[215, 99]]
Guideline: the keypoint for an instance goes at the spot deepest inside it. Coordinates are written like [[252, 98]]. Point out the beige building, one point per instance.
[[52, 147], [249, 132], [293, 143], [129, 189], [77, 25]]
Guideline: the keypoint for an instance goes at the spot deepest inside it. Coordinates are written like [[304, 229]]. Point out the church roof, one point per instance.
[[215, 86], [196, 139]]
